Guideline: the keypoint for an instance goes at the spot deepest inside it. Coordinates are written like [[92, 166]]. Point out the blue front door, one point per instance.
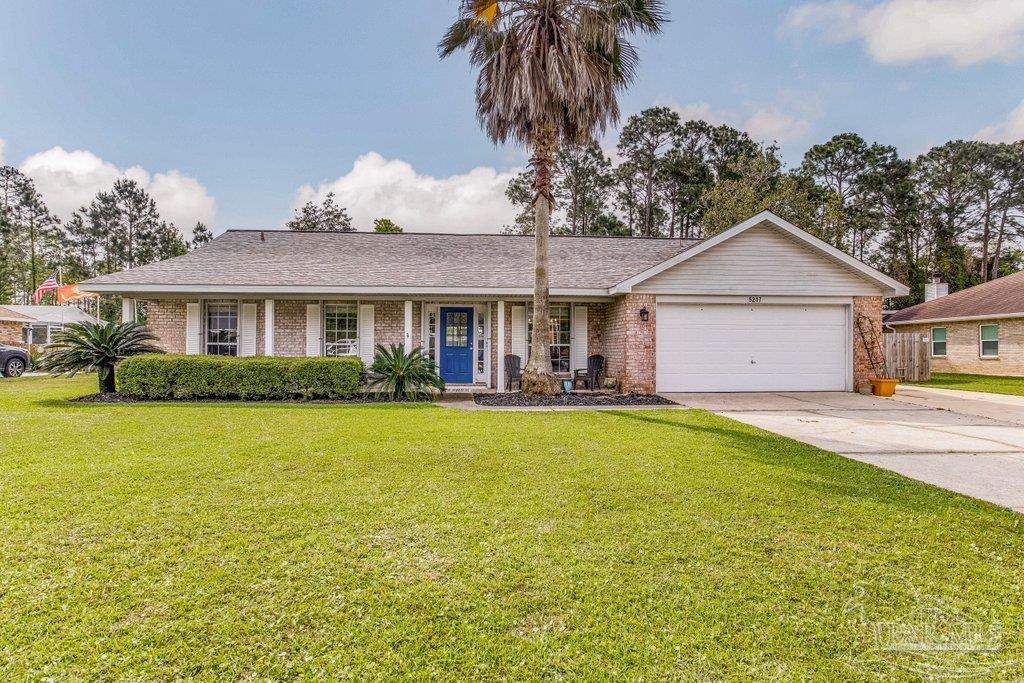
[[457, 345]]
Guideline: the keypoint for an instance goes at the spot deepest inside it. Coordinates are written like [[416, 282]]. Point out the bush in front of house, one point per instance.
[[169, 377]]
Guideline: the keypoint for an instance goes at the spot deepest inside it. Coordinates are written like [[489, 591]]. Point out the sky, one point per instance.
[[236, 112]]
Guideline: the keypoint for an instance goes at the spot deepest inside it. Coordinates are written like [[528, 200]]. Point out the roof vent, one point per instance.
[[935, 289], [263, 237]]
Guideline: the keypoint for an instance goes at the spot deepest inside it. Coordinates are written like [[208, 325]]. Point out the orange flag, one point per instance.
[[486, 10], [72, 293]]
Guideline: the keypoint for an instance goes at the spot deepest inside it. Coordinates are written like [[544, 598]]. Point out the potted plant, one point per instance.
[[883, 386]]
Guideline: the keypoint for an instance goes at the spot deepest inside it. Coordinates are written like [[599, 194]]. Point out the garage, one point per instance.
[[720, 347]]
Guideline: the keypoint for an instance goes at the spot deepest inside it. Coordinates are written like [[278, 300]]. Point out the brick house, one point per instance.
[[761, 306], [27, 326], [979, 330]]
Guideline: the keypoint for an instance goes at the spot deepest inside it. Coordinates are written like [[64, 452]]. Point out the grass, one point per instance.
[[995, 384], [213, 541]]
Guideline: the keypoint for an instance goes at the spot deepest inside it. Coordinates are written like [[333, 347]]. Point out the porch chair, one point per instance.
[[592, 376], [513, 371]]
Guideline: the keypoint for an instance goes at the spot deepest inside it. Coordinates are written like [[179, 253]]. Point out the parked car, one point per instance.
[[13, 361]]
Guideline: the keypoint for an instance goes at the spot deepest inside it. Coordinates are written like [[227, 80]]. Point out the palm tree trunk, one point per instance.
[[107, 380], [537, 376]]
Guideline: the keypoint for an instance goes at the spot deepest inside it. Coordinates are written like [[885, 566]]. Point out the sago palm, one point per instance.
[[83, 347], [401, 375], [549, 70]]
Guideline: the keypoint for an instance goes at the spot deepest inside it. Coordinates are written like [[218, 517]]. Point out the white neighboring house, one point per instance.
[[42, 322]]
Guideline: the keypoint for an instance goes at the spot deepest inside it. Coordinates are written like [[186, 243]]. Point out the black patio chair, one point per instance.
[[513, 371], [592, 375]]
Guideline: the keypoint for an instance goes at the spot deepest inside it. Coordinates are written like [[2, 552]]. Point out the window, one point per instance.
[[432, 334], [341, 330], [222, 329], [480, 342], [990, 341], [559, 335], [938, 341], [456, 328], [35, 334]]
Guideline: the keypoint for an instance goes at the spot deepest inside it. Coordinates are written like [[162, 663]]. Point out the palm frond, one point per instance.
[[87, 347]]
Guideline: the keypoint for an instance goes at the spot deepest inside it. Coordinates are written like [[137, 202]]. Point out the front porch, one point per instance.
[[468, 337]]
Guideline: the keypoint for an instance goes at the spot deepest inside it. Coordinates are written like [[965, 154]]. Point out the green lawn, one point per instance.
[[214, 541], [992, 383]]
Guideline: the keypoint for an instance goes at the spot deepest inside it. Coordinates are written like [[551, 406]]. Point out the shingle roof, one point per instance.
[[364, 259], [50, 314], [13, 316], [1003, 296]]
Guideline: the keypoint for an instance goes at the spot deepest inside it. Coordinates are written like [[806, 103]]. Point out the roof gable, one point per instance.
[[766, 219]]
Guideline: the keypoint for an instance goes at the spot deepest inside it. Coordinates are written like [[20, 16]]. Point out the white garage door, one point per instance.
[[723, 347]]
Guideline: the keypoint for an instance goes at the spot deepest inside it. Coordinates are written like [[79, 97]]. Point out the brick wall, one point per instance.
[[290, 328], [388, 322], [629, 343], [11, 334], [871, 307], [167, 319], [963, 347]]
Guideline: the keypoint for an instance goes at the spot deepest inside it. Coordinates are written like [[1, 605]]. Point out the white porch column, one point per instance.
[[500, 346], [127, 310], [408, 325], [268, 327]]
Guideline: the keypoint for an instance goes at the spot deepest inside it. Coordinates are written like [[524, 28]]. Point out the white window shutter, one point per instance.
[[579, 337], [313, 329], [366, 349], [247, 330], [519, 332], [193, 330]]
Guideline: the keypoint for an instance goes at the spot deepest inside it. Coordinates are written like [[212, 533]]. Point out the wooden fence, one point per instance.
[[907, 356]]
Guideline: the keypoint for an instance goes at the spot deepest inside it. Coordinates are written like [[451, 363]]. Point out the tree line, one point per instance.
[[120, 228], [955, 212]]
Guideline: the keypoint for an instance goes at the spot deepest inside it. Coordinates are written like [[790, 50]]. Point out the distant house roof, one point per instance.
[[1003, 297], [49, 314], [7, 314], [281, 258]]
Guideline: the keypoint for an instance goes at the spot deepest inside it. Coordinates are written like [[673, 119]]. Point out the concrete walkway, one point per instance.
[[982, 404], [928, 438]]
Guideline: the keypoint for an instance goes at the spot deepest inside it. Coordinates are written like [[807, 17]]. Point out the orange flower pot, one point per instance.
[[883, 386]]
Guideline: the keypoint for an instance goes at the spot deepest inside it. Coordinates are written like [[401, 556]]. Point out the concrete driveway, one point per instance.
[[923, 438]]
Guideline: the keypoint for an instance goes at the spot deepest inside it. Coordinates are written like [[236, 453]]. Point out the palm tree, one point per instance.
[[549, 71], [83, 347]]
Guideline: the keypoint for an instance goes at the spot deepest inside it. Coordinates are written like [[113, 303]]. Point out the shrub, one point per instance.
[[251, 379], [400, 375]]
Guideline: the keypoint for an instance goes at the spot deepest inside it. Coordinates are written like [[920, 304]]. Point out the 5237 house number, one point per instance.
[[753, 299]]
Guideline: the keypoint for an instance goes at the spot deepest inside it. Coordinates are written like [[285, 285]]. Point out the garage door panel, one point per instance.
[[751, 348]]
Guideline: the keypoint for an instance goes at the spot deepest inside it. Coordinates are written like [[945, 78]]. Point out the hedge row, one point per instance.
[[254, 379]]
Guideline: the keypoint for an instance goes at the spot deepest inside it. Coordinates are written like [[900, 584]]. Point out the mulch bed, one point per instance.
[[519, 400]]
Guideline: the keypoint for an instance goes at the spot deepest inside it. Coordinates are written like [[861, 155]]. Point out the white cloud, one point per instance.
[[898, 31], [772, 123], [377, 187], [1011, 129], [68, 180]]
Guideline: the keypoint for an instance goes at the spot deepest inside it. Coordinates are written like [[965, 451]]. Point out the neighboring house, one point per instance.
[[28, 325], [762, 306], [978, 330]]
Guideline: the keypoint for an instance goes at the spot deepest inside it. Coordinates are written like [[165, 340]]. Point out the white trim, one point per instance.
[[408, 326], [325, 290], [893, 288], [957, 319], [268, 327], [501, 347], [127, 310], [744, 300]]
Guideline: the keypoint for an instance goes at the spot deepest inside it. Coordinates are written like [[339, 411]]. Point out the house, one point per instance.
[[979, 330], [28, 325], [762, 306]]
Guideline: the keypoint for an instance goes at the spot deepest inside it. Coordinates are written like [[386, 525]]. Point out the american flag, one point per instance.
[[49, 285]]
